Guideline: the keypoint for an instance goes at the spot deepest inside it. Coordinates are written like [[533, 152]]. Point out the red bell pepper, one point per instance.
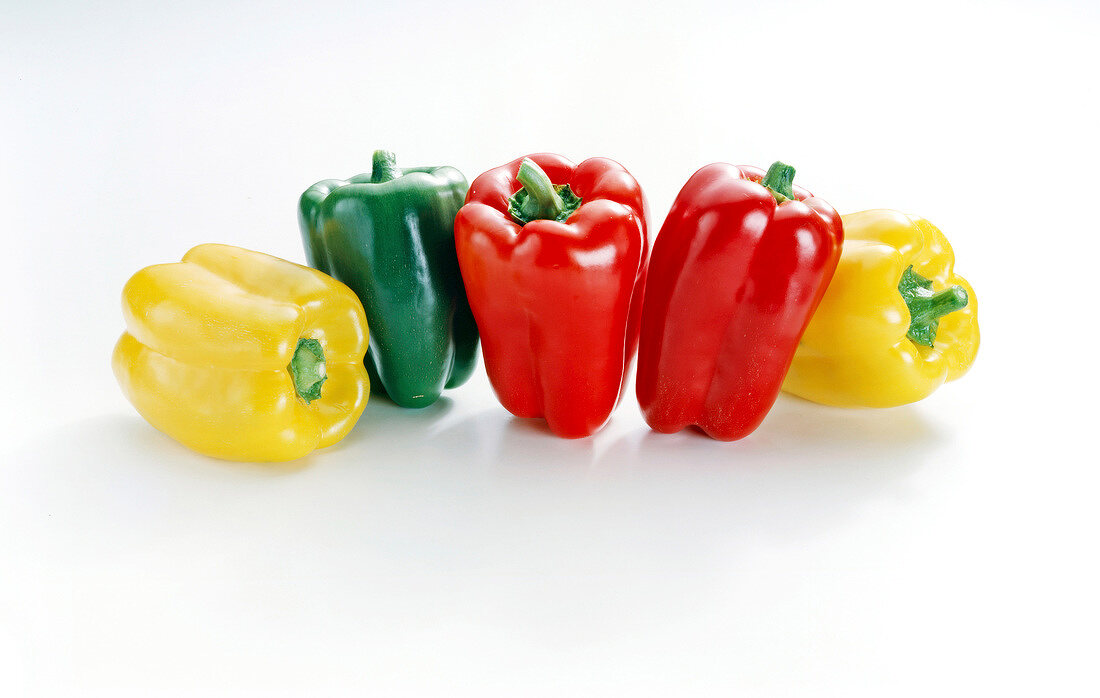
[[739, 266], [553, 256]]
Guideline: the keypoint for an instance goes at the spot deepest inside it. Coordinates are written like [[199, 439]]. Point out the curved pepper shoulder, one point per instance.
[[857, 351], [208, 352]]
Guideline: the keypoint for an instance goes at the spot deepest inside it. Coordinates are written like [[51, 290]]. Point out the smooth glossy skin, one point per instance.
[[733, 280], [208, 341], [393, 244], [558, 303], [855, 352]]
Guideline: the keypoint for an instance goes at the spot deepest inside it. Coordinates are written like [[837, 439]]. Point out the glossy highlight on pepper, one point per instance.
[[896, 322], [243, 356], [737, 269], [389, 235], [554, 260]]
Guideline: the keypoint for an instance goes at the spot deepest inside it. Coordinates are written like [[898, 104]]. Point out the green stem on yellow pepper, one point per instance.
[[926, 306], [307, 368]]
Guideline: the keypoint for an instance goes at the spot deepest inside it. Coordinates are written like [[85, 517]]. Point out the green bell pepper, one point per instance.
[[389, 235]]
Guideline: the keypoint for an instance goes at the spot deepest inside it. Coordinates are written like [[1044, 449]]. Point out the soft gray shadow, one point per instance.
[[795, 433], [91, 490], [383, 418], [635, 517], [514, 446], [807, 469], [123, 437], [863, 433], [477, 514]]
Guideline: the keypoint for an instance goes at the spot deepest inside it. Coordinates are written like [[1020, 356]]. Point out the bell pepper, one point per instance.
[[896, 321], [389, 235], [243, 356], [737, 269], [554, 257]]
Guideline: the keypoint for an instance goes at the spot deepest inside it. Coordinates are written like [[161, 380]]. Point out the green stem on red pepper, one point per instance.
[[780, 181], [540, 199]]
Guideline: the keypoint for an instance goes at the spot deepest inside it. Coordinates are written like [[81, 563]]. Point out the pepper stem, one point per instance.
[[384, 168], [307, 369], [542, 201], [539, 199], [926, 306], [780, 181]]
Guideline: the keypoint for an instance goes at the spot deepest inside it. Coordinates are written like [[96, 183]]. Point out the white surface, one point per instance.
[[946, 548]]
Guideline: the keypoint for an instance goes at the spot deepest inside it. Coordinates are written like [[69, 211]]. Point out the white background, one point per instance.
[[944, 548]]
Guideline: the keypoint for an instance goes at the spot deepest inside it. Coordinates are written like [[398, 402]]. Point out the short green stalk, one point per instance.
[[540, 199], [926, 306], [780, 181], [384, 167], [307, 368]]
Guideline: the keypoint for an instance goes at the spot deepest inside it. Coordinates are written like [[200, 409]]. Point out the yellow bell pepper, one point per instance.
[[895, 323], [243, 356]]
